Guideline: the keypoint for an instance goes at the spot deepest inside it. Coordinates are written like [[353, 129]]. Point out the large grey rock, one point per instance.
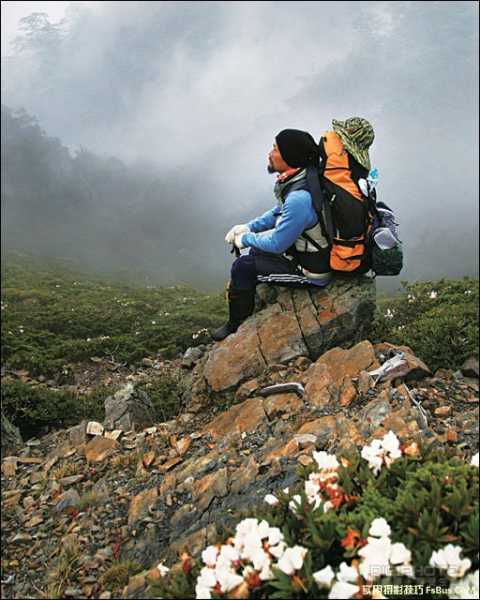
[[339, 315], [129, 409], [291, 323]]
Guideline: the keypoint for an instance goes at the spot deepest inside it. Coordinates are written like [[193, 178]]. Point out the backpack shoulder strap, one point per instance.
[[320, 206]]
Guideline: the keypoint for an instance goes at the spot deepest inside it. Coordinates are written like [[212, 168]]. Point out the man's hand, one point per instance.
[[238, 229], [238, 240]]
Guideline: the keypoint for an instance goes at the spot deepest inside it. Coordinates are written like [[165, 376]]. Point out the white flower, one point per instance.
[[343, 590], [205, 582], [209, 556], [386, 450], [202, 593], [259, 559], [379, 528], [347, 574], [433, 294], [275, 536], [292, 559], [375, 555], [391, 444], [163, 569], [228, 553], [399, 554], [325, 460], [263, 529], [389, 314], [295, 503], [328, 506], [324, 577], [266, 572], [371, 569], [277, 551], [466, 588], [227, 579], [271, 499], [474, 460], [449, 560]]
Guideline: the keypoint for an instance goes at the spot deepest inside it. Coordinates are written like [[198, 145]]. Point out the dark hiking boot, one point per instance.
[[240, 304]]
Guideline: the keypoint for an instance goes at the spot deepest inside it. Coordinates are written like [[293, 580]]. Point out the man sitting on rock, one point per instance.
[[279, 250]]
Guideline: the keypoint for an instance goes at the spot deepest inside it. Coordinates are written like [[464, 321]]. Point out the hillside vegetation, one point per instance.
[[57, 322]]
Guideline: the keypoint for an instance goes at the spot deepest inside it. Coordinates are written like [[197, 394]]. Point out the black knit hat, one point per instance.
[[298, 148]]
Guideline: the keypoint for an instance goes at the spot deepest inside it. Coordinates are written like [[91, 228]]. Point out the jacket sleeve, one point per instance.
[[297, 215], [266, 221]]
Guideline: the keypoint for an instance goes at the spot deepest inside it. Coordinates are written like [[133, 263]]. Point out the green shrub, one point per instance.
[[166, 393], [438, 320], [51, 316], [422, 503], [32, 409]]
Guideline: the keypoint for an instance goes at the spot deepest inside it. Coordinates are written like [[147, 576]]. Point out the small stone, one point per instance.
[[78, 434], [304, 439], [191, 356], [365, 382], [33, 522], [20, 538], [141, 504], [33, 443], [305, 459], [28, 502], [246, 389], [29, 460], [94, 428], [12, 499], [452, 435], [166, 466], [470, 367], [148, 362], [148, 458], [113, 435], [9, 466], [73, 592], [443, 411], [100, 448], [68, 499], [37, 476], [182, 445], [71, 480], [150, 430], [49, 464]]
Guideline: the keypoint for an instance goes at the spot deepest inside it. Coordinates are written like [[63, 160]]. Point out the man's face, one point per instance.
[[276, 164]]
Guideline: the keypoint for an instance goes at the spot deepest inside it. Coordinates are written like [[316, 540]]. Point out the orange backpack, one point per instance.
[[349, 210]]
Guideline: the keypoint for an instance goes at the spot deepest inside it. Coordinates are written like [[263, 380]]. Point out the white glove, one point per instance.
[[238, 240], [230, 237]]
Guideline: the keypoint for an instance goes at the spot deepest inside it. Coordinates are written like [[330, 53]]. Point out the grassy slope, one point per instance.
[[54, 317], [54, 320]]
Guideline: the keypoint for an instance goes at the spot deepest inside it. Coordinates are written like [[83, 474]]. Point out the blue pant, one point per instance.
[[263, 267]]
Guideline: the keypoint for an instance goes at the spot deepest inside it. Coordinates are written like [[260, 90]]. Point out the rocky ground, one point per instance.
[[90, 511], [78, 506]]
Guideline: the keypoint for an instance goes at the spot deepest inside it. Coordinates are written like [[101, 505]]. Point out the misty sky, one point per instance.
[[203, 87]]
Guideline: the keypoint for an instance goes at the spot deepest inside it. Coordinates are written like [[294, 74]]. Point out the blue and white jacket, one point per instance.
[[282, 227]]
